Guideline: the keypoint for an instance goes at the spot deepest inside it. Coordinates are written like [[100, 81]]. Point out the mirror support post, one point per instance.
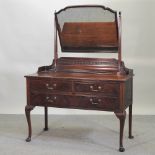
[[55, 42], [119, 40]]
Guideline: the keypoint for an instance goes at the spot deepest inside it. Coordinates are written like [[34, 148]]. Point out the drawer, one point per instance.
[[37, 99], [78, 102], [96, 103], [50, 85], [97, 87]]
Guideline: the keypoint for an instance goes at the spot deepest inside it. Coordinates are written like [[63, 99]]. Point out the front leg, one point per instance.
[[121, 116], [28, 109]]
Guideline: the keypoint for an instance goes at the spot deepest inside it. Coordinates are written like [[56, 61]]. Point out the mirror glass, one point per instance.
[[87, 29]]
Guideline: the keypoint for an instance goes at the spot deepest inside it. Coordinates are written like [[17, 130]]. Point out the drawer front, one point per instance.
[[98, 87], [49, 100], [79, 102], [96, 103], [50, 85]]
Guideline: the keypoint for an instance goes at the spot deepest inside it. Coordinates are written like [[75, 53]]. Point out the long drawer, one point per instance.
[[80, 102]]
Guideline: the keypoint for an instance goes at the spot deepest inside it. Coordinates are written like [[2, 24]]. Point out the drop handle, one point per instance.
[[51, 100], [95, 103], [51, 88], [98, 88]]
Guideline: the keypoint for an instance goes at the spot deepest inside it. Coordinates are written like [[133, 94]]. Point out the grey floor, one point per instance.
[[75, 135]]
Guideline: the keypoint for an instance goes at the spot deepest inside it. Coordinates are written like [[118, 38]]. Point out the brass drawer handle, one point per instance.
[[51, 100], [51, 88], [95, 103], [92, 88], [99, 87]]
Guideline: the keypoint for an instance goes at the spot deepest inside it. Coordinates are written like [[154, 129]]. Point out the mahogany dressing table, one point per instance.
[[103, 84]]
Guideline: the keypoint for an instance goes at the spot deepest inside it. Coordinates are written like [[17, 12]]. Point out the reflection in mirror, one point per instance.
[[85, 14], [87, 28]]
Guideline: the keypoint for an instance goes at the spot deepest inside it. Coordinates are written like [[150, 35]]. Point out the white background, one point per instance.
[[26, 42]]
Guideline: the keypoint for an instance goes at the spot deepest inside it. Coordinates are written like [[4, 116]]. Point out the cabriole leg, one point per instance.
[[28, 109], [121, 117], [130, 122], [46, 119]]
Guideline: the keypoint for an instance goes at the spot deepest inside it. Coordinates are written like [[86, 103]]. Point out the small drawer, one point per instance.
[[97, 87], [50, 85], [49, 100]]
